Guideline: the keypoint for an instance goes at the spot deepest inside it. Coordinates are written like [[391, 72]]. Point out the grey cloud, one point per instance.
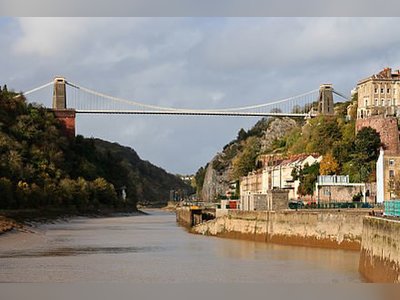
[[199, 63]]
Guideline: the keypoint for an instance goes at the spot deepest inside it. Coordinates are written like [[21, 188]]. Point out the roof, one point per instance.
[[385, 74]]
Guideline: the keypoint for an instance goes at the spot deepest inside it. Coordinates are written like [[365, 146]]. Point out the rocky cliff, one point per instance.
[[220, 172]]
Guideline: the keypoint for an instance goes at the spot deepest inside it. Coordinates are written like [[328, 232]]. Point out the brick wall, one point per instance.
[[387, 128], [67, 117]]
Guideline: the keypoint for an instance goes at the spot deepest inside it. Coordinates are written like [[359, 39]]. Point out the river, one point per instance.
[[153, 249]]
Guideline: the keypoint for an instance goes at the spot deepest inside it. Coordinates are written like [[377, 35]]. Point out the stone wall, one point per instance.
[[184, 216], [279, 199], [330, 229], [387, 128], [67, 118], [380, 250], [338, 193]]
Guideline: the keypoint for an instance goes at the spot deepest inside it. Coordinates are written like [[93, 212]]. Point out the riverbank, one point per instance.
[[326, 229], [380, 250], [376, 239], [23, 219]]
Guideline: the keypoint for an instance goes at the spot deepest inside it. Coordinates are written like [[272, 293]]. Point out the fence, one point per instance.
[[391, 208]]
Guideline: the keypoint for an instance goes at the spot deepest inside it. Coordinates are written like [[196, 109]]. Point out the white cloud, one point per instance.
[[49, 36]]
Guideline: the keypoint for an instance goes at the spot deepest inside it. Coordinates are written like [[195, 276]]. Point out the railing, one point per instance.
[[391, 208], [329, 205]]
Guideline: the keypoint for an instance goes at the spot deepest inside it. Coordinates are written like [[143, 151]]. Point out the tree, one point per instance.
[[246, 160], [324, 132], [329, 165], [367, 144], [307, 177], [242, 135]]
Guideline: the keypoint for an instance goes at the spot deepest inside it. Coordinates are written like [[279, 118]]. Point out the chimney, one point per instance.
[[388, 72]]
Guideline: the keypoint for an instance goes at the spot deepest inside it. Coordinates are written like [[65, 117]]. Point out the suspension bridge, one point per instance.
[[83, 100]]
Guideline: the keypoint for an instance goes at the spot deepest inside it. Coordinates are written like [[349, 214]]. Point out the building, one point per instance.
[[387, 167], [276, 199], [225, 206], [273, 177], [338, 188], [379, 106], [379, 94]]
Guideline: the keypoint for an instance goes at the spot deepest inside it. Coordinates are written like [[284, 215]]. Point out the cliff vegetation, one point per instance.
[[333, 137], [40, 168]]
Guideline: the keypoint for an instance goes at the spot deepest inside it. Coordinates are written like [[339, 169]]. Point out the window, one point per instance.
[[383, 102], [388, 91], [391, 162], [376, 102], [376, 90], [391, 173], [389, 102], [366, 102], [381, 91]]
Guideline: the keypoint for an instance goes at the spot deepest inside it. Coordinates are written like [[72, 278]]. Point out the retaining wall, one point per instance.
[[329, 229], [380, 250]]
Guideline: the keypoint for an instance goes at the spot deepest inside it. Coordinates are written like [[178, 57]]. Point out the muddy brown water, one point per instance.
[[154, 249]]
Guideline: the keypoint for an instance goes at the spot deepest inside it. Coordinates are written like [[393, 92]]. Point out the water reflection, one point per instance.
[[74, 251]]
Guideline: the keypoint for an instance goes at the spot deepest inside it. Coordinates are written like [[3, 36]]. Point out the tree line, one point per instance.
[[42, 168]]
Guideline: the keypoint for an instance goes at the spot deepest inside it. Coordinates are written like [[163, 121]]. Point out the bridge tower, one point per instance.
[[325, 100], [61, 112]]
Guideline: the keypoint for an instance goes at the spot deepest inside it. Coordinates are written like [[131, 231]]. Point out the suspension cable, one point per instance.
[[131, 102]]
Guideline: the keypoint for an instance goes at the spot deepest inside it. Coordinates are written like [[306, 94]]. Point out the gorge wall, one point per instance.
[[218, 174]]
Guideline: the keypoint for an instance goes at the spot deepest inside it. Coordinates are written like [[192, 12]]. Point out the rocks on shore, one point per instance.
[[7, 224]]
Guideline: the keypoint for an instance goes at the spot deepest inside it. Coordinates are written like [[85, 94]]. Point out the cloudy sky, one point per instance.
[[195, 63]]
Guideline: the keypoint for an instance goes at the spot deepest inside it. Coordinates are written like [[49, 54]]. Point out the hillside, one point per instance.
[[238, 157], [333, 137], [42, 169], [152, 184]]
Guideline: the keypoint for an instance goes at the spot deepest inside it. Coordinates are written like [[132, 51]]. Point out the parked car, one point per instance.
[[296, 204]]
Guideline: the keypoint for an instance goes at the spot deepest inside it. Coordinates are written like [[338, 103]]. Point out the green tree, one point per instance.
[[245, 161], [367, 144], [307, 177]]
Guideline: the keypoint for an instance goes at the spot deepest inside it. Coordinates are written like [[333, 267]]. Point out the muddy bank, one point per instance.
[[24, 220], [336, 230]]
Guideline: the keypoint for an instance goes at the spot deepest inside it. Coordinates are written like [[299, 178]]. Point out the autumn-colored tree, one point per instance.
[[329, 165]]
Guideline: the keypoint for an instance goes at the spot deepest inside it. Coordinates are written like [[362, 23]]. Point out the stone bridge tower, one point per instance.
[[61, 112], [325, 100]]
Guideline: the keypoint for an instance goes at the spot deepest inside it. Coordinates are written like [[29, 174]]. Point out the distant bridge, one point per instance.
[[86, 101]]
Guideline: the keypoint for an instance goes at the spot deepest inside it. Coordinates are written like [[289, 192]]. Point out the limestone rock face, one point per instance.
[[276, 129], [218, 173], [215, 182]]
